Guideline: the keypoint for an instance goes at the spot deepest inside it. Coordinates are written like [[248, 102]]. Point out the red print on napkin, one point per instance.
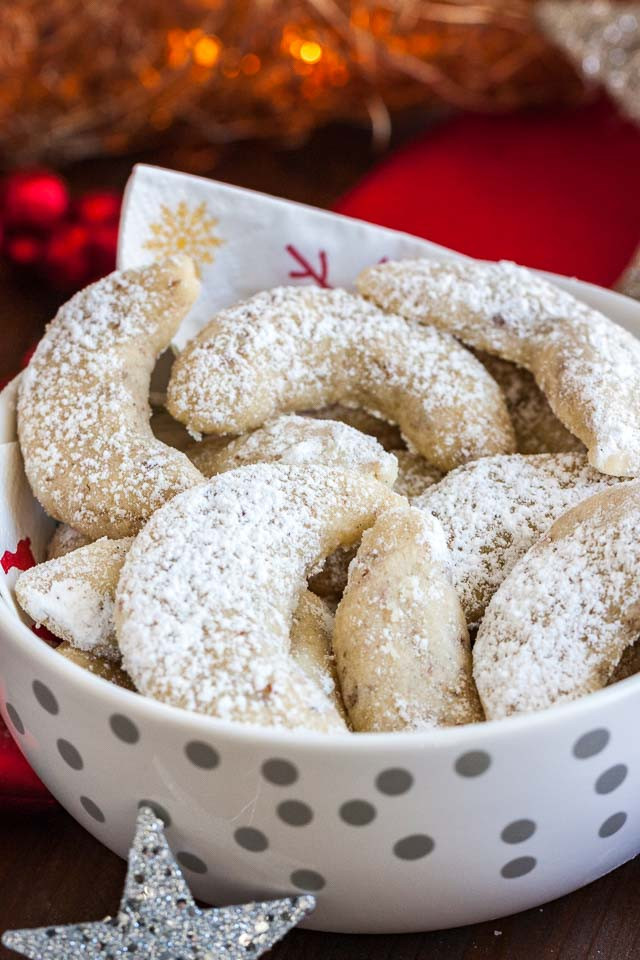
[[307, 271], [20, 559]]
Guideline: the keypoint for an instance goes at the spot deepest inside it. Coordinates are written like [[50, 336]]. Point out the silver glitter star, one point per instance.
[[602, 39], [159, 920]]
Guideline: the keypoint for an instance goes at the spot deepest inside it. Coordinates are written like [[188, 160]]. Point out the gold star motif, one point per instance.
[[184, 229]]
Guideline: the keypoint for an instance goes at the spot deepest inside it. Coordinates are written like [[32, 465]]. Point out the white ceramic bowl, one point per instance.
[[392, 832]]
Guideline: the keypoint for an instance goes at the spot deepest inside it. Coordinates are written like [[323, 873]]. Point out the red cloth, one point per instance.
[[557, 190]]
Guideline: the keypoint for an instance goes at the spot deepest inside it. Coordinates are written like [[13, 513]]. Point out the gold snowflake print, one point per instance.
[[185, 229]]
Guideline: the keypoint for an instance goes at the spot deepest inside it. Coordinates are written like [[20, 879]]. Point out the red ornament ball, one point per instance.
[[24, 248], [35, 199], [66, 258], [98, 207]]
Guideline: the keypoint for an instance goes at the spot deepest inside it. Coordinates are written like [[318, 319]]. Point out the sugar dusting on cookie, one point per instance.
[[73, 595], [401, 642], [209, 588], [294, 348], [493, 511], [83, 414], [559, 624], [587, 366]]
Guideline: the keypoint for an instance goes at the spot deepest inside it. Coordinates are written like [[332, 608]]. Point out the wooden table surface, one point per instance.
[[51, 871]]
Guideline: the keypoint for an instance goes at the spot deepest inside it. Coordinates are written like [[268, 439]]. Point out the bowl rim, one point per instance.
[[440, 738]]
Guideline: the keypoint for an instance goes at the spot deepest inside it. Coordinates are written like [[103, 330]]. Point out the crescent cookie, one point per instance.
[[587, 366], [311, 640], [73, 595], [297, 440], [494, 509], [296, 348], [83, 414], [536, 426], [401, 640], [209, 588], [99, 666], [560, 623]]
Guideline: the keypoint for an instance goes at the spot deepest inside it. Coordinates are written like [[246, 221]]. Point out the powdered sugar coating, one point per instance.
[[73, 595], [83, 416], [587, 366], [209, 588], [559, 624], [493, 511], [297, 440], [401, 641], [296, 348]]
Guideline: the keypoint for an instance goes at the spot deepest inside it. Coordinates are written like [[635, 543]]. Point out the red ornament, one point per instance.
[[36, 199], [24, 249], [66, 257], [98, 207]]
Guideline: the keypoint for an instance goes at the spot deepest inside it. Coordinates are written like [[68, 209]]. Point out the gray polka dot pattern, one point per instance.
[[473, 764], [415, 847], [251, 839], [394, 782], [202, 755], [124, 729], [518, 831], [92, 809], [191, 862], [357, 813], [308, 880], [15, 718], [279, 772], [70, 755], [158, 809], [612, 824], [295, 813], [518, 867], [45, 698], [611, 779], [591, 743]]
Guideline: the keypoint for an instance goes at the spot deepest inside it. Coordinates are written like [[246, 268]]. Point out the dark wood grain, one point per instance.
[[51, 871]]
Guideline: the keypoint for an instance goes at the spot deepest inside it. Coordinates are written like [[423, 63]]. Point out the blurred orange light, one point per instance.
[[206, 51], [310, 51]]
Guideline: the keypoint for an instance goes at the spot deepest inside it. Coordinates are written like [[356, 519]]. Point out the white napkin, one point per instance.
[[25, 529], [244, 241]]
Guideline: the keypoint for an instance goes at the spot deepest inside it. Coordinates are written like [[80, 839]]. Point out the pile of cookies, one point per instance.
[[336, 493]]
